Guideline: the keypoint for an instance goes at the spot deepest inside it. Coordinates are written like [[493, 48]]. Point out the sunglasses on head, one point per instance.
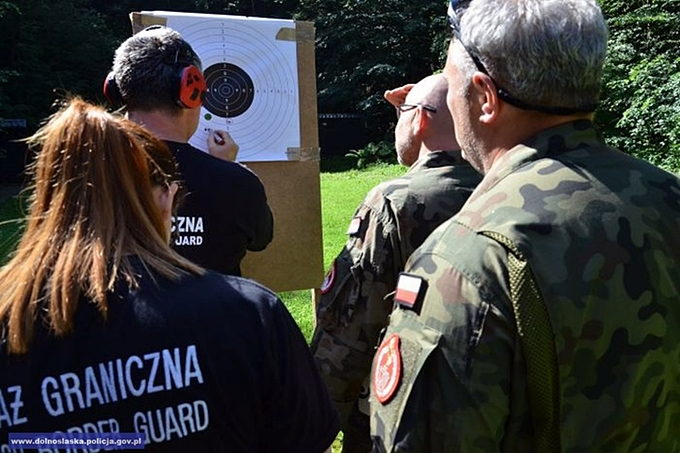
[[454, 12], [455, 6]]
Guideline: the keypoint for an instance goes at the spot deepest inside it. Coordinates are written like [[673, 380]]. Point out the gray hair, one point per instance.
[[547, 53], [146, 68]]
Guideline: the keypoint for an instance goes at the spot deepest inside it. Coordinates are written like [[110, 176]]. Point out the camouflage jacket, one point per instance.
[[394, 218], [601, 233]]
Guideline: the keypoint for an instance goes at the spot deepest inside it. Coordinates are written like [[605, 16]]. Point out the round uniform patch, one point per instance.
[[387, 371], [328, 280]]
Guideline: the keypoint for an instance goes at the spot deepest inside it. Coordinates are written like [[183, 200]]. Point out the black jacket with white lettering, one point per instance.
[[224, 213], [213, 363]]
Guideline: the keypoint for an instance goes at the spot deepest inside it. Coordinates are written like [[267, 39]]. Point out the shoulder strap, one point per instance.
[[537, 339]]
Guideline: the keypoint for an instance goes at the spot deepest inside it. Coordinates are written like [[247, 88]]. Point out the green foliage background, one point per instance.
[[52, 47], [640, 111]]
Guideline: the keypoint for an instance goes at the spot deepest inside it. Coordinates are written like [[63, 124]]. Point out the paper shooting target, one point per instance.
[[252, 82]]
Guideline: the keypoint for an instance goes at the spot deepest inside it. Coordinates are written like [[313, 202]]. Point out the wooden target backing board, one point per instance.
[[294, 259]]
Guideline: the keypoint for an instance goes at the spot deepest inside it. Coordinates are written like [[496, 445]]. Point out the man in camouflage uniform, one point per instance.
[[599, 231], [393, 219]]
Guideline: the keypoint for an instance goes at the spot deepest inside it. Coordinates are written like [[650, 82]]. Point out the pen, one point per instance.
[[219, 140]]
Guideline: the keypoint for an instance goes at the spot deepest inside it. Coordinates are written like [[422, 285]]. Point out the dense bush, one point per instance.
[[650, 126], [373, 153], [640, 112]]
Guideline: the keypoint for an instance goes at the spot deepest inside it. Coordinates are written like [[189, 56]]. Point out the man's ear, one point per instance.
[[485, 89], [420, 120]]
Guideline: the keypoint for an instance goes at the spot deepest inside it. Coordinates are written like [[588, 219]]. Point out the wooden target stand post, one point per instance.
[[294, 258]]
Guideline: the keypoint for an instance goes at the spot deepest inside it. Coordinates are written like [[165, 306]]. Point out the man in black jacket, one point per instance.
[[157, 77]]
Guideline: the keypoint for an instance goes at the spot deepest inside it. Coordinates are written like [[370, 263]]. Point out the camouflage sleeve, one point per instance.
[[352, 309], [447, 376]]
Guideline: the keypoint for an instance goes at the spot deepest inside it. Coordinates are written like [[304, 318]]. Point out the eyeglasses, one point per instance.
[[180, 194], [401, 108], [454, 22]]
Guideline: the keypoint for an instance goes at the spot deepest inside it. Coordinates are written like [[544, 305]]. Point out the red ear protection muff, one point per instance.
[[190, 87], [111, 91]]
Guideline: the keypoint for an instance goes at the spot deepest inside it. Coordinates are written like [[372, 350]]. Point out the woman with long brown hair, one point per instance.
[[106, 329]]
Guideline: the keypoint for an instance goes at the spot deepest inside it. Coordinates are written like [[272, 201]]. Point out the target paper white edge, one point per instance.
[[253, 90]]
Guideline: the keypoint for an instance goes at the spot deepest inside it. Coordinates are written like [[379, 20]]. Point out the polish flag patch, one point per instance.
[[387, 370], [329, 279], [354, 226], [409, 288]]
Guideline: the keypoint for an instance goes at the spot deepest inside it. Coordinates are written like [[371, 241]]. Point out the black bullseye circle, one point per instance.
[[230, 90]]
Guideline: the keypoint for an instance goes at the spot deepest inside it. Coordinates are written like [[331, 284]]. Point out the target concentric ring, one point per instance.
[[230, 90]]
